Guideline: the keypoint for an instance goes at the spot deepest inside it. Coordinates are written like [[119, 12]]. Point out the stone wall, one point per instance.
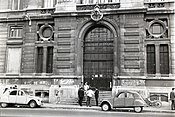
[[172, 32], [65, 45], [28, 54], [131, 3], [132, 46], [3, 4], [3, 40]]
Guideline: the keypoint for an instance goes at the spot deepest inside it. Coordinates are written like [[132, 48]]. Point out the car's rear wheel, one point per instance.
[[105, 107], [32, 104], [138, 109], [3, 105]]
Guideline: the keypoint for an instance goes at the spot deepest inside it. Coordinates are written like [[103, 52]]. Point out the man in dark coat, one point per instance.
[[80, 95], [96, 96], [172, 98]]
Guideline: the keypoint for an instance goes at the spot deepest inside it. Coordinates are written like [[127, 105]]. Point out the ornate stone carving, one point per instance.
[[96, 14], [101, 6], [47, 11], [156, 5]]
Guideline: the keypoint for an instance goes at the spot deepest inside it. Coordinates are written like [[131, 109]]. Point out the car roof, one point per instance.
[[136, 94], [126, 91], [9, 90]]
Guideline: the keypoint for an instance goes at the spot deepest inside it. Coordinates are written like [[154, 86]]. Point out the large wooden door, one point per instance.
[[98, 58]]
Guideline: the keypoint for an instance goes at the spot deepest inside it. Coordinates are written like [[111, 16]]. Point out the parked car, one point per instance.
[[124, 99], [19, 97]]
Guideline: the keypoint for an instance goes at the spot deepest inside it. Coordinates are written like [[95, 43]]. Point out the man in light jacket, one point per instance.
[[89, 94]]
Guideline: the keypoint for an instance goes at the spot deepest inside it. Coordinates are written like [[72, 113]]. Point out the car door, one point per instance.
[[119, 100], [12, 96], [21, 97], [129, 99]]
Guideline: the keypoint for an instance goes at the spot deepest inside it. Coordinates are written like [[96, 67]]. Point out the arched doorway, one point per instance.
[[98, 57]]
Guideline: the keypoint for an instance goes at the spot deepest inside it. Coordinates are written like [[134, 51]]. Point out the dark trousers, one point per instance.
[[172, 104], [96, 99], [80, 101], [88, 101]]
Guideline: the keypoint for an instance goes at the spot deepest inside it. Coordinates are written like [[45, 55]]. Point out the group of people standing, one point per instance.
[[86, 92]]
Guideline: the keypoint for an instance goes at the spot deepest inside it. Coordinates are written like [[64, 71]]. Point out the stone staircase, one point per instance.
[[74, 101]]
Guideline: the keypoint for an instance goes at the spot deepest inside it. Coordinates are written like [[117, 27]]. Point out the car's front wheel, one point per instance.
[[3, 105], [105, 107], [138, 109], [32, 104]]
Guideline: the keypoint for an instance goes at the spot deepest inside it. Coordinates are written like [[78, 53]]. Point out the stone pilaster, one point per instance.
[[3, 40], [172, 32]]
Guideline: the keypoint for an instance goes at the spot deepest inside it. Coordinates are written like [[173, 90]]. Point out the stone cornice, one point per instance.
[[38, 77], [104, 11], [171, 78], [35, 14]]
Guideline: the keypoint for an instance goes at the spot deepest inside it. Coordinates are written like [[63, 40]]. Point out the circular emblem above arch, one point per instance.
[[96, 14]]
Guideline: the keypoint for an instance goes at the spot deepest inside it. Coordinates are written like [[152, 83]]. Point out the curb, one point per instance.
[[73, 108], [99, 109]]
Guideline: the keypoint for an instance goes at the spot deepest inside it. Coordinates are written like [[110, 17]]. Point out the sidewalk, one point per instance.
[[164, 109]]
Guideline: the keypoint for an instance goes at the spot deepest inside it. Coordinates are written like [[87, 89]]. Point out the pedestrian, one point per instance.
[[96, 96], [80, 95], [89, 94], [59, 94], [172, 98], [86, 86]]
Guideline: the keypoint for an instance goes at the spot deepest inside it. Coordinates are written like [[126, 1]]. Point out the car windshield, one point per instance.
[[26, 92], [139, 96]]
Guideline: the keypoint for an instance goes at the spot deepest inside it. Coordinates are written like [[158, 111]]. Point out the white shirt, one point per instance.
[[89, 93], [86, 87]]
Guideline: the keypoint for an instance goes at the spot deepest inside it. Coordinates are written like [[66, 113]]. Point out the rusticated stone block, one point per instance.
[[131, 33], [131, 49], [131, 41]]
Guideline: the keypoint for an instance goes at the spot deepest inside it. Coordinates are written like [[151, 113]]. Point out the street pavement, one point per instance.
[[164, 109], [50, 112]]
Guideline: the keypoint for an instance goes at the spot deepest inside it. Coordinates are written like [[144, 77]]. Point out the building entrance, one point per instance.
[[98, 58]]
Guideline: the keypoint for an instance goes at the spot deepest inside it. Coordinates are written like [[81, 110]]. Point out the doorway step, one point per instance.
[[102, 96]]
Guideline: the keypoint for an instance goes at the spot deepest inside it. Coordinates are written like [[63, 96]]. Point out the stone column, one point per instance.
[[157, 57], [44, 58]]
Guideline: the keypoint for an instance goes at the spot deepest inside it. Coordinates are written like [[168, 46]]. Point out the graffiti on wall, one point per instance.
[[66, 81], [132, 82]]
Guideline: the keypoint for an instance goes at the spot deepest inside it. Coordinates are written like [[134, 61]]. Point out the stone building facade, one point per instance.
[[111, 44]]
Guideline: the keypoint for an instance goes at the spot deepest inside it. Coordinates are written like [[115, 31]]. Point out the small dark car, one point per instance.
[[124, 99]]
